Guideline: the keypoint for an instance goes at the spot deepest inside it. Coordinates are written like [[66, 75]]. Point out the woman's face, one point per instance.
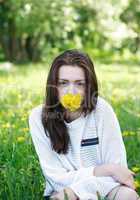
[[71, 79]]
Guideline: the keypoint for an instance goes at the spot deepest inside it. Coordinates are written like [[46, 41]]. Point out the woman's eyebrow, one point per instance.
[[68, 80]]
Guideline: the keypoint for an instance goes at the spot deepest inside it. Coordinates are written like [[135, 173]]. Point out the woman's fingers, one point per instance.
[[130, 183]]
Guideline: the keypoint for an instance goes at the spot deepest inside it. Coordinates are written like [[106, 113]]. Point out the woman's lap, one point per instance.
[[113, 193]]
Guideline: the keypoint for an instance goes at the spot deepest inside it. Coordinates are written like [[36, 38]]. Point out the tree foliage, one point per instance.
[[30, 29]]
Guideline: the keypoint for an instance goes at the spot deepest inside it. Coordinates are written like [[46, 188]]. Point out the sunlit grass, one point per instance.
[[23, 88]]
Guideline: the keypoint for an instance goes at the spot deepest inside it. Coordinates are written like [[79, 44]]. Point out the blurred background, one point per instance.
[[32, 33], [31, 29]]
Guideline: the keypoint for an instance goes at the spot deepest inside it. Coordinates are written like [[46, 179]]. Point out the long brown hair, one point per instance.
[[53, 112]]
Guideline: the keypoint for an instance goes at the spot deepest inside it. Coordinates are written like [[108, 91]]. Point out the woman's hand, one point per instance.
[[118, 172], [123, 175], [60, 195]]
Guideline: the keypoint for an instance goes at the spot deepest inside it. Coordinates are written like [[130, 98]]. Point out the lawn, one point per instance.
[[22, 88]]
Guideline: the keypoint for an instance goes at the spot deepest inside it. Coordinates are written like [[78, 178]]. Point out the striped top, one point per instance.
[[94, 140]]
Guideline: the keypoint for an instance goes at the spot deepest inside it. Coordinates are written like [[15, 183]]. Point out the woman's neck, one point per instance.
[[70, 116]]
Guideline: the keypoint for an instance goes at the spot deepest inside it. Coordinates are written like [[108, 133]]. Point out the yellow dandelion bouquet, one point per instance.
[[71, 101]]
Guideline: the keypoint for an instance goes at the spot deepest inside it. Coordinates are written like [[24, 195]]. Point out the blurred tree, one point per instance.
[[131, 16], [25, 24], [31, 29]]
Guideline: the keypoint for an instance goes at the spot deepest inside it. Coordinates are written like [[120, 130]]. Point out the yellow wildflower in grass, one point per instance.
[[137, 184], [71, 101], [6, 125], [26, 129], [128, 133], [23, 118], [21, 139], [135, 169]]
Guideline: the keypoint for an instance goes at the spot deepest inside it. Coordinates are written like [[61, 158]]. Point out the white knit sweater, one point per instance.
[[94, 140]]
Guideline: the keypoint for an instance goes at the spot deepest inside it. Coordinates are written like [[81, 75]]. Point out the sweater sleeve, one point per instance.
[[112, 145], [54, 173]]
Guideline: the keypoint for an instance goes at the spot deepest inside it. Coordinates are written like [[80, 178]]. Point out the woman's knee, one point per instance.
[[125, 192], [128, 193]]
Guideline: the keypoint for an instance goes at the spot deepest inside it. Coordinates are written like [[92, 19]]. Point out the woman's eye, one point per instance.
[[62, 83], [66, 83], [80, 84]]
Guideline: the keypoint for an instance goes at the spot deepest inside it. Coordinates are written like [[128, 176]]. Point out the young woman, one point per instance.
[[78, 140]]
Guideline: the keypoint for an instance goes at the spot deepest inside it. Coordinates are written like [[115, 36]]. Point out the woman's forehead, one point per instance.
[[71, 72]]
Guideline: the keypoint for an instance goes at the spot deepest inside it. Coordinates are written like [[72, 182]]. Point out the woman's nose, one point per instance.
[[71, 89]]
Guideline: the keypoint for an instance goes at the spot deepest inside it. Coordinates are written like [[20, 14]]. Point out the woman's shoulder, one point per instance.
[[103, 105], [35, 124], [35, 113]]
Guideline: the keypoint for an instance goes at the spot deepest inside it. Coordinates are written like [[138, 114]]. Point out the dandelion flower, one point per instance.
[[6, 125], [128, 133], [135, 169], [21, 139], [137, 183], [26, 129], [71, 101]]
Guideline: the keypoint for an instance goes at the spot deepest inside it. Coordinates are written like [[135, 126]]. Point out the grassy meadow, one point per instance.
[[23, 88]]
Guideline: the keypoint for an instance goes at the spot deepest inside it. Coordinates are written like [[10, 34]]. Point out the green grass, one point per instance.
[[23, 88]]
